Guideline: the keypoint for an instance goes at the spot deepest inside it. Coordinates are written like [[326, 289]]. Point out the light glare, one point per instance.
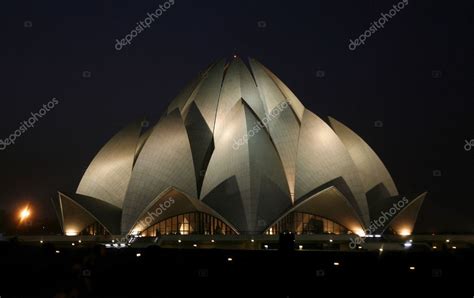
[[25, 213]]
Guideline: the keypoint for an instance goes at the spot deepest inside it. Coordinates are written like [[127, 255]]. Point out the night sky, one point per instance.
[[407, 92]]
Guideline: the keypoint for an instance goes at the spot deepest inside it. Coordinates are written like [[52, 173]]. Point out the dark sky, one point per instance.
[[415, 75]]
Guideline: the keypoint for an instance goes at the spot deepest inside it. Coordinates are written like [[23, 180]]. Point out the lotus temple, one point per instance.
[[236, 153]]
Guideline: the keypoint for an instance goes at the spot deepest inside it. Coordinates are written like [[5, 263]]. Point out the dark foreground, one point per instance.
[[47, 271]]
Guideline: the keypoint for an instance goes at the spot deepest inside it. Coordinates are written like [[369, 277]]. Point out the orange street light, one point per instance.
[[25, 213]]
